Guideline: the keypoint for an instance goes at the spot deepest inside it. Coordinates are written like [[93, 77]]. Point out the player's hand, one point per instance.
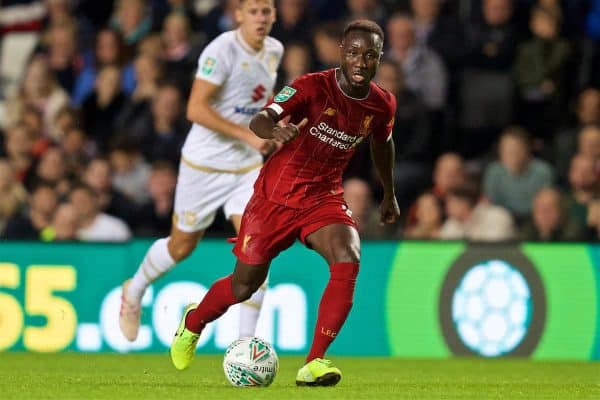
[[390, 212], [284, 132], [264, 146]]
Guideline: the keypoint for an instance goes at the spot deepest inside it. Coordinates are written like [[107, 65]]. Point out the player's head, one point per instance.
[[255, 17], [360, 52]]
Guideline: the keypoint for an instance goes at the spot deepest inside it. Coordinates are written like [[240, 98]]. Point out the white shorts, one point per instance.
[[199, 194]]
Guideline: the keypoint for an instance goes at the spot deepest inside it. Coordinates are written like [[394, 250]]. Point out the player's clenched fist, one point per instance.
[[389, 209], [285, 132]]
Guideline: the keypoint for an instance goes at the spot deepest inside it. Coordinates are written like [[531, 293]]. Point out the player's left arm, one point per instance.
[[383, 154]]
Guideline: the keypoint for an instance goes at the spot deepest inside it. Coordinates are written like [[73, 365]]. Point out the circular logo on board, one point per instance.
[[492, 303]]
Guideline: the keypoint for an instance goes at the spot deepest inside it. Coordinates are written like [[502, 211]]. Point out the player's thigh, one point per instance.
[[239, 197], [336, 242], [198, 196]]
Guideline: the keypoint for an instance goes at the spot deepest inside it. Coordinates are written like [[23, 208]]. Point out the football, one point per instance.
[[249, 362]]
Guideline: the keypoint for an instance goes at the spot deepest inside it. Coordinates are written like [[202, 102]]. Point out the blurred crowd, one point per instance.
[[497, 130]]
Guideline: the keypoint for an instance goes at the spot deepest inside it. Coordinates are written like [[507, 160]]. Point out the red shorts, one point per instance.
[[268, 228]]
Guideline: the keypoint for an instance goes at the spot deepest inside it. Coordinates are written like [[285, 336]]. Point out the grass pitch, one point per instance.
[[111, 376]]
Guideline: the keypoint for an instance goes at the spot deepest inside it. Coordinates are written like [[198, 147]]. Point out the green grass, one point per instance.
[[81, 376]]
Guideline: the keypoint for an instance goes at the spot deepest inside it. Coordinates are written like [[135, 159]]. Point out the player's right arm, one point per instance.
[[273, 121], [200, 111]]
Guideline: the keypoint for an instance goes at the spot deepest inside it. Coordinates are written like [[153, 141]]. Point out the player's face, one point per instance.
[[360, 54], [256, 17]]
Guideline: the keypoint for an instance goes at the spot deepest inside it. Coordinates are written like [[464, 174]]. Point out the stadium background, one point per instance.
[[463, 77]]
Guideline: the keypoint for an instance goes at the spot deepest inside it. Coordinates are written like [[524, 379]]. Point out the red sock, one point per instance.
[[218, 299], [334, 307]]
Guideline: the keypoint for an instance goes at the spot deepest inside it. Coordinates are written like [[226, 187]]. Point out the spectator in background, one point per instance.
[[109, 50], [29, 224], [162, 131], [550, 222], [326, 40], [14, 196], [40, 91], [583, 186], [220, 19], [179, 55], [64, 225], [296, 62], [98, 175], [412, 135], [442, 34], [449, 171], [66, 118], [148, 71], [424, 71], [429, 217], [132, 19], [18, 145], [102, 107], [63, 56], [540, 70], [95, 226], [364, 9], [59, 13], [75, 149], [130, 172], [294, 22], [565, 142], [32, 120], [155, 216], [485, 87], [593, 221], [473, 220], [513, 180], [588, 142], [51, 169], [359, 198]]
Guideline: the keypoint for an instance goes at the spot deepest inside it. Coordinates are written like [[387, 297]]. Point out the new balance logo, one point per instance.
[[330, 112], [258, 93]]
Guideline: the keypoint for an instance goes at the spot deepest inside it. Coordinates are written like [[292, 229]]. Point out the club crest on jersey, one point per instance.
[[330, 112], [285, 94], [366, 124], [273, 62], [209, 66]]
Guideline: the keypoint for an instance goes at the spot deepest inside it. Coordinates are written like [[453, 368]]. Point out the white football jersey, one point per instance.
[[247, 78]]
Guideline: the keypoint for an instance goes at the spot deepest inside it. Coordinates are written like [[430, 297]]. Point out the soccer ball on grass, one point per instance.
[[250, 361]]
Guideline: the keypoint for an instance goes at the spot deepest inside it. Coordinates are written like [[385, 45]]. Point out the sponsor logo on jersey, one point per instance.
[[334, 137], [330, 112], [245, 65], [285, 94], [209, 66], [258, 93], [246, 110]]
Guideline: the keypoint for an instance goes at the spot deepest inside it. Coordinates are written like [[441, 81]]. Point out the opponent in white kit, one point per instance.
[[221, 157]]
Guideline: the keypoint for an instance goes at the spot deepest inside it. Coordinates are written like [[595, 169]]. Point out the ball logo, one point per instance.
[[492, 306]]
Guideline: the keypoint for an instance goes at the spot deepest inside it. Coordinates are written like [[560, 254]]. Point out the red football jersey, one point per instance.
[[310, 167]]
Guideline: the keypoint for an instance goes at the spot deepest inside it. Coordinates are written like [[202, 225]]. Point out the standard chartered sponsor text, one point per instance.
[[334, 137]]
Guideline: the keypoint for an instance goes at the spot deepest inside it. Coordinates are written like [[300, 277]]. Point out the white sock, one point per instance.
[[156, 263], [250, 310]]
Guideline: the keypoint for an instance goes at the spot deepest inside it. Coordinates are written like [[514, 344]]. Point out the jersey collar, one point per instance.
[[240, 39]]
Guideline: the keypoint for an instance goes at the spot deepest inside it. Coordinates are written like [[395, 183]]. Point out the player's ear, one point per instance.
[[238, 15]]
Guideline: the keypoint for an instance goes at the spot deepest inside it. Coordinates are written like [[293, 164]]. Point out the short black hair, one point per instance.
[[468, 191], [364, 25]]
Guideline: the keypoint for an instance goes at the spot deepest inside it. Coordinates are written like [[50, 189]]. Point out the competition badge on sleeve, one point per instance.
[[209, 66], [285, 94]]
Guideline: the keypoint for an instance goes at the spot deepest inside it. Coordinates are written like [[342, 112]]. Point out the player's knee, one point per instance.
[[349, 253], [181, 249], [243, 291]]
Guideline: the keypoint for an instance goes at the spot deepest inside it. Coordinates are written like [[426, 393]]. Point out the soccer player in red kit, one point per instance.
[[320, 119]]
